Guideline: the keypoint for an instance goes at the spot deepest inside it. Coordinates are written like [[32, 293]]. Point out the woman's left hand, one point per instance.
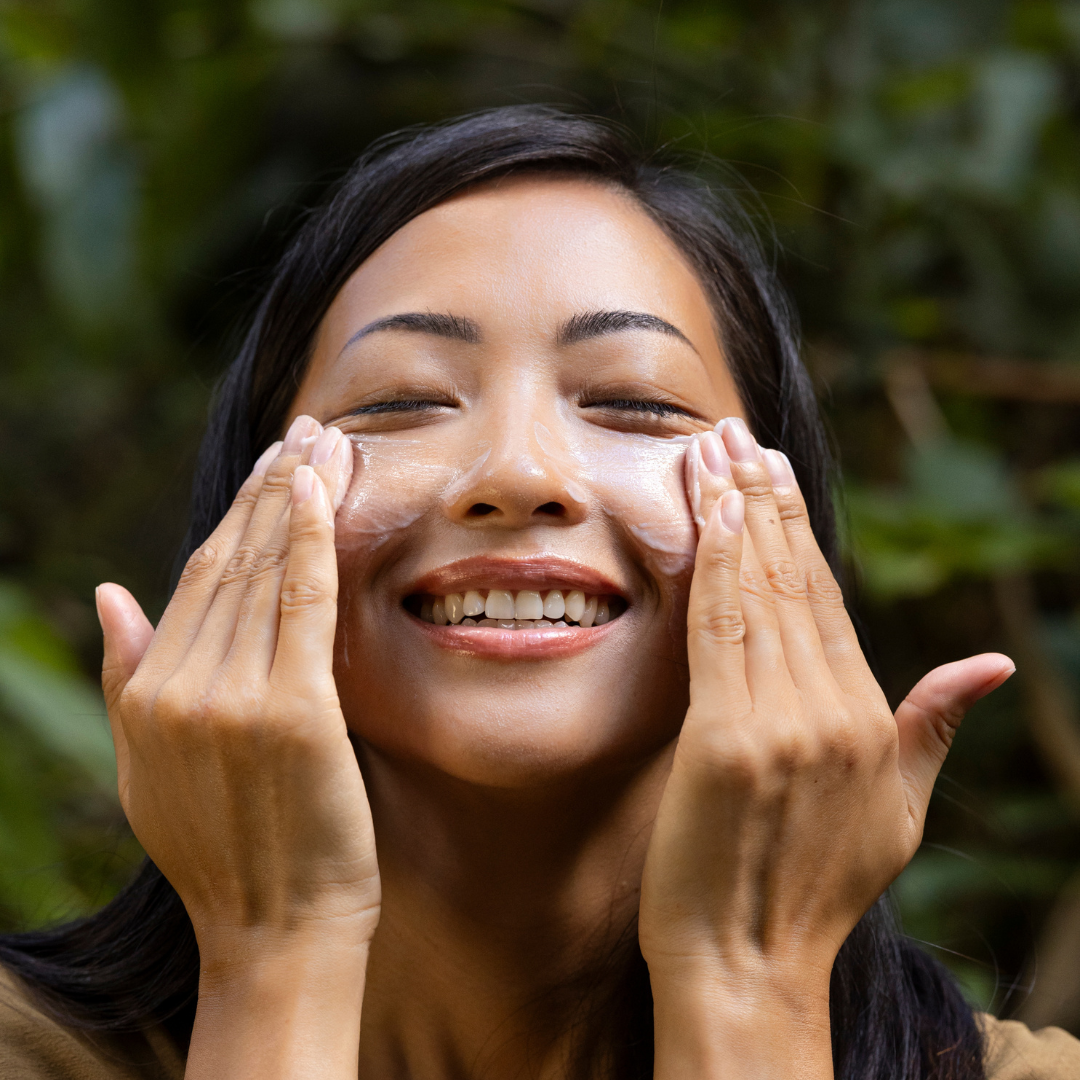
[[795, 795]]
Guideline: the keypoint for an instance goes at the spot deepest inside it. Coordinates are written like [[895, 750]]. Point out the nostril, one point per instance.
[[554, 509], [480, 509]]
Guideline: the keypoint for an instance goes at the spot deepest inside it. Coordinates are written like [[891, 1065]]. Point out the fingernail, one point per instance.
[[325, 445], [732, 509], [300, 428], [303, 484], [739, 442], [267, 456], [779, 469], [714, 455]]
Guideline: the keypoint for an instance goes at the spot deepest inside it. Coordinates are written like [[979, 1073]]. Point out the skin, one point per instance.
[[719, 767]]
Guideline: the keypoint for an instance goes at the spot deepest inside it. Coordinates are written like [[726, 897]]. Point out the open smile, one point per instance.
[[513, 608]]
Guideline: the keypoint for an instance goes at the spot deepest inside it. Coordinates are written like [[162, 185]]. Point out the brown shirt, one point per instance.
[[33, 1047]]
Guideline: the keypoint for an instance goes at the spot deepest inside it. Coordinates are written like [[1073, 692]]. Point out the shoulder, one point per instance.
[[33, 1046], [1015, 1052]]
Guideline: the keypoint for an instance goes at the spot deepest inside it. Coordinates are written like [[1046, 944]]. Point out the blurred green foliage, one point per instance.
[[920, 160]]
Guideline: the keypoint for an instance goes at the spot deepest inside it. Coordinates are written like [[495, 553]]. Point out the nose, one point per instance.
[[516, 483]]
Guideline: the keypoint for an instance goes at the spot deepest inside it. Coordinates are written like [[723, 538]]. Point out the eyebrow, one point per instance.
[[455, 327], [577, 328], [596, 323]]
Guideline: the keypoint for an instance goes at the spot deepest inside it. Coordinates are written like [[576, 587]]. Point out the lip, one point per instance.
[[491, 572], [493, 644]]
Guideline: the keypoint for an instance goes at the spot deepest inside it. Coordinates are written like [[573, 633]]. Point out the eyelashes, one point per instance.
[[400, 405], [661, 409]]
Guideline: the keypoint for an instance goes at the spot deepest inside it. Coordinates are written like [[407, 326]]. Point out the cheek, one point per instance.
[[394, 483], [637, 482]]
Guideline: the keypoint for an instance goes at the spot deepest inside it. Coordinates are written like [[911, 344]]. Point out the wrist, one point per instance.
[[751, 1024], [277, 1006]]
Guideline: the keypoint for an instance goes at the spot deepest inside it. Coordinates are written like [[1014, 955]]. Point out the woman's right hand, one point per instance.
[[237, 774]]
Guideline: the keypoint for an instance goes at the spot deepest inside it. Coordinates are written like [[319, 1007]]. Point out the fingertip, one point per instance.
[[732, 506], [714, 455], [1003, 670], [303, 484], [309, 493]]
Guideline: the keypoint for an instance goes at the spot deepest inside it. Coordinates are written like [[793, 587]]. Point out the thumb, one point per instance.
[[929, 716], [127, 634]]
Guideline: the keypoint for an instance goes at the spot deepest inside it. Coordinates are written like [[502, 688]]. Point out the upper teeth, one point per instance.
[[527, 605]]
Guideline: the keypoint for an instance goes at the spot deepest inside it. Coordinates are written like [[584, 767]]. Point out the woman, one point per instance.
[[628, 794]]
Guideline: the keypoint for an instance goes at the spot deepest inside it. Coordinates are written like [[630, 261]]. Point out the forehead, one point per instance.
[[520, 255]]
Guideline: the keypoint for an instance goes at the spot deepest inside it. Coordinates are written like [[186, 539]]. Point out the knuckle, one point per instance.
[[172, 705], [821, 588], [135, 701], [268, 564], [792, 752], [202, 563], [784, 579], [755, 585], [756, 485], [299, 594], [277, 481], [250, 563], [238, 567], [845, 745], [790, 506], [248, 495], [311, 527], [720, 560], [721, 626]]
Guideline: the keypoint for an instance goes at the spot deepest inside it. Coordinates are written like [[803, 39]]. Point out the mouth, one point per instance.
[[526, 609], [516, 608]]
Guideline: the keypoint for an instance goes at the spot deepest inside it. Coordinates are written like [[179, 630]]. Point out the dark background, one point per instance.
[[919, 162]]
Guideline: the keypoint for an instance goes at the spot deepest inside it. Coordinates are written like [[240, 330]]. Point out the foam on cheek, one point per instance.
[[638, 480], [384, 496], [395, 482]]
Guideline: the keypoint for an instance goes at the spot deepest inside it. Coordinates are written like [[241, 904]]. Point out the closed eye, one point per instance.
[[653, 408], [399, 405]]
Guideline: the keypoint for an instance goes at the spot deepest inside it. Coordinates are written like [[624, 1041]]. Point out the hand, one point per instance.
[[234, 762], [795, 796]]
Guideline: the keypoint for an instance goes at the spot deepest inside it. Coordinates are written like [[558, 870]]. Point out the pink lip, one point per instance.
[[489, 572], [494, 644]]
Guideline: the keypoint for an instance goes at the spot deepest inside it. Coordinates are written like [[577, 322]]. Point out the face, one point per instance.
[[519, 370]]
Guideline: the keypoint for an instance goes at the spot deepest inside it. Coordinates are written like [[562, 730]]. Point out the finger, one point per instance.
[[802, 647], [709, 479], [255, 639], [308, 597], [337, 472], [716, 627], [259, 556], [839, 642], [929, 716], [707, 473], [127, 633], [198, 583]]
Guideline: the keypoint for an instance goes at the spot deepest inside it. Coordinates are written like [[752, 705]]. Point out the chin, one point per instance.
[[515, 744]]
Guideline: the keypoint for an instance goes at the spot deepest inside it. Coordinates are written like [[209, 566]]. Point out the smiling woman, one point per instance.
[[509, 699]]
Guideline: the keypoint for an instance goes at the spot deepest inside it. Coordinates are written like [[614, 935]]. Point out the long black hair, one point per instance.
[[896, 1013]]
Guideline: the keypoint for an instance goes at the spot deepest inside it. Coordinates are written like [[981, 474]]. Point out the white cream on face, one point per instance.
[[635, 480]]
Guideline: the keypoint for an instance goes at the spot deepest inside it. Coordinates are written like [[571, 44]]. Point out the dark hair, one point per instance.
[[896, 1013]]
